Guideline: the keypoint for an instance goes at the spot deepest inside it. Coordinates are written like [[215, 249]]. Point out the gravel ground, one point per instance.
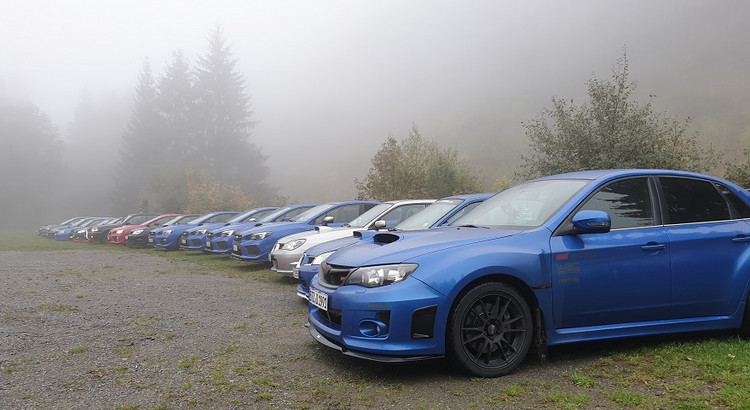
[[102, 329]]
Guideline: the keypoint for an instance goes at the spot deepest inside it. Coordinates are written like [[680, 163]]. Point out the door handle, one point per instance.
[[741, 239], [653, 246]]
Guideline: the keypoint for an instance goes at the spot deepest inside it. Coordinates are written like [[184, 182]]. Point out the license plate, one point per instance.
[[319, 299], [235, 248], [209, 245], [150, 240], [184, 242]]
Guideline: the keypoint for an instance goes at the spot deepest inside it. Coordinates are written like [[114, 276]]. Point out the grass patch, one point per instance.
[[59, 308], [79, 349]]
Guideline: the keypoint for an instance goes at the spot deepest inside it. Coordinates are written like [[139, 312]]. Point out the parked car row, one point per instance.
[[480, 279]]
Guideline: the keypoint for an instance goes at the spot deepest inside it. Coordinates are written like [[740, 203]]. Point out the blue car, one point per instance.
[[219, 240], [566, 258], [440, 213], [254, 244], [168, 237], [194, 239]]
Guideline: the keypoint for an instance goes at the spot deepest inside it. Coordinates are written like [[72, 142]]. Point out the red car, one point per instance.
[[118, 234]]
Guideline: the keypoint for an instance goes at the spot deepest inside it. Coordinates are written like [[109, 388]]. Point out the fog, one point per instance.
[[329, 81]]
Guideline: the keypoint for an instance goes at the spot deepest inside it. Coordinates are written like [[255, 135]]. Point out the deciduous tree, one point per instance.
[[416, 168], [610, 130]]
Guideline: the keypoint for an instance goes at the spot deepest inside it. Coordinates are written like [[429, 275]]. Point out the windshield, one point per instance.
[[139, 219], [523, 206], [428, 216], [367, 217], [314, 211], [251, 214], [180, 220]]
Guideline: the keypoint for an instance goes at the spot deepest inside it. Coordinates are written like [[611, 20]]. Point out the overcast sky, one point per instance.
[[336, 76]]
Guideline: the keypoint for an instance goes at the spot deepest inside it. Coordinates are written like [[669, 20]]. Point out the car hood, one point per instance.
[[320, 234], [401, 246]]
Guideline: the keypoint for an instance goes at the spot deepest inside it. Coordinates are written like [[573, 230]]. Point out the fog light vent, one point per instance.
[[423, 322]]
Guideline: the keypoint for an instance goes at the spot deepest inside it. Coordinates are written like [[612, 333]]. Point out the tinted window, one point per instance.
[[742, 209], [692, 200], [627, 202]]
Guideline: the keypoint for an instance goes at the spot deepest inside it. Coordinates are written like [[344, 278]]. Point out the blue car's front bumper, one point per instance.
[[167, 241], [253, 250], [403, 321], [193, 242]]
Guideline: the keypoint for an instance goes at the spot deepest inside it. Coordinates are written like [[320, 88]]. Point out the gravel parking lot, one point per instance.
[[91, 329]]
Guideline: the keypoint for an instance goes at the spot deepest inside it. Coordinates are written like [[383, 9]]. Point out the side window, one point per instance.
[[739, 205], [399, 214], [627, 202], [460, 213], [344, 213], [692, 200]]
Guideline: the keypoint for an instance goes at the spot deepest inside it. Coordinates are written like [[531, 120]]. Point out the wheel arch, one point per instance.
[[539, 342]]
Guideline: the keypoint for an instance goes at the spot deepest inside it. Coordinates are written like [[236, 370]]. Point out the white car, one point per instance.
[[288, 250]]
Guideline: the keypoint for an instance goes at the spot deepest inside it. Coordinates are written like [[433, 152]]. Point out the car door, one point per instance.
[[621, 276], [710, 245]]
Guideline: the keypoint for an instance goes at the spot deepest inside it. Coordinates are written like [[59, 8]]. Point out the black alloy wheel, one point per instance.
[[490, 330]]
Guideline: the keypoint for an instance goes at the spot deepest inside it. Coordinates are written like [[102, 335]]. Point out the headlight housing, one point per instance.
[[119, 231], [320, 258], [259, 235], [226, 233], [374, 276], [292, 245], [167, 232], [200, 232], [137, 232]]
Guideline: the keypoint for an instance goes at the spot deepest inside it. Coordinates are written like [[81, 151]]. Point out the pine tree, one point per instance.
[[30, 164], [142, 146], [223, 114]]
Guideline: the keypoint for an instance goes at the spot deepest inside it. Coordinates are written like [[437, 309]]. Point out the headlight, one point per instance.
[[94, 229], [137, 232], [374, 276], [200, 232], [259, 235], [119, 231], [167, 232], [226, 233], [320, 258], [290, 246]]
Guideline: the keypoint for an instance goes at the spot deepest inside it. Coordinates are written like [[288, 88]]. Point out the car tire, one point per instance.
[[489, 330], [745, 326]]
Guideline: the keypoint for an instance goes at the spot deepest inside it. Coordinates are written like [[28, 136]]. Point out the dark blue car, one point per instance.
[[440, 213], [168, 237], [581, 256], [219, 240], [254, 244]]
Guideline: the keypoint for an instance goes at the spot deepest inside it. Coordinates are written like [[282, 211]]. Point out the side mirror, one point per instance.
[[327, 220], [590, 221], [379, 224]]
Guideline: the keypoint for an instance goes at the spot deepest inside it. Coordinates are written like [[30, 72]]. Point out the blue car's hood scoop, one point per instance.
[[400, 246]]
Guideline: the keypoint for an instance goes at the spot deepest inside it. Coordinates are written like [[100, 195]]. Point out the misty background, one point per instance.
[[329, 81]]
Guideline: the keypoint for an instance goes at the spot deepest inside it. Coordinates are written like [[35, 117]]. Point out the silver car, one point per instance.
[[288, 250]]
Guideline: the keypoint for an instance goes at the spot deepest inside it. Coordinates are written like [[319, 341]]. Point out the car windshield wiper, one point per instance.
[[472, 226]]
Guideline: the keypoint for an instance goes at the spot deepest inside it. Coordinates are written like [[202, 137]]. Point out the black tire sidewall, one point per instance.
[[456, 353]]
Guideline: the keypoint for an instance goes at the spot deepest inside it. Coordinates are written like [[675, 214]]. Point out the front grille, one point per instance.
[[333, 276]]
